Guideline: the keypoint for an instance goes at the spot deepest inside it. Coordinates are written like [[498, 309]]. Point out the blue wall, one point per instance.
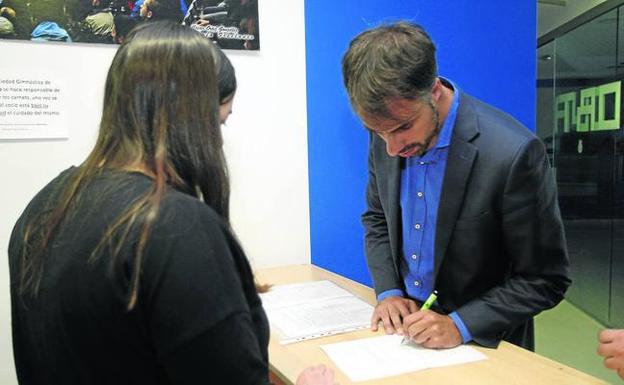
[[487, 47]]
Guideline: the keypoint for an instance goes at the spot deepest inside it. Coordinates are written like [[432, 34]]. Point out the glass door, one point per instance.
[[584, 110]]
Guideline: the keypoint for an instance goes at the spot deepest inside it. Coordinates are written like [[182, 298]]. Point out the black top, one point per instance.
[[198, 318]]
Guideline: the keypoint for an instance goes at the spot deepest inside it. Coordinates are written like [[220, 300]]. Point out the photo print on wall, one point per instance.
[[232, 24]]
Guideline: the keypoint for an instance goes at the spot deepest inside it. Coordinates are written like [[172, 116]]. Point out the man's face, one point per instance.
[[411, 130]]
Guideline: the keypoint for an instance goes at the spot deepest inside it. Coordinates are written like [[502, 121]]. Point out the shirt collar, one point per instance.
[[444, 139]]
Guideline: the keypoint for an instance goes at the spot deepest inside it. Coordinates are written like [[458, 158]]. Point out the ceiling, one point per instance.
[[586, 52], [553, 13]]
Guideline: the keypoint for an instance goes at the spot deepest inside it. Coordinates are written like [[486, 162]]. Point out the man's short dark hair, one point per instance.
[[391, 61]]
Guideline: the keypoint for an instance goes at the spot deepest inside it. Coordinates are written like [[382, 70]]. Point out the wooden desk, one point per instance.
[[507, 365]]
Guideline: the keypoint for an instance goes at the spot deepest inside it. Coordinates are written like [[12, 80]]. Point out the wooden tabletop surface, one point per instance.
[[506, 365]]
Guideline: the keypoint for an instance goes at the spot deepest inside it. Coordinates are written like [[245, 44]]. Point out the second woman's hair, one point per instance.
[[226, 77]]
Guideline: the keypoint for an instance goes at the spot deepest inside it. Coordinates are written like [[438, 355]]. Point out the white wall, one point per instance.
[[266, 143]]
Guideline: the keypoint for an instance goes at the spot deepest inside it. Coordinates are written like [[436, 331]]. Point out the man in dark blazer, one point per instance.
[[461, 199]]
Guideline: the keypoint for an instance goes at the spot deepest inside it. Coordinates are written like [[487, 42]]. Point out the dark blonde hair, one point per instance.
[[161, 112], [390, 61]]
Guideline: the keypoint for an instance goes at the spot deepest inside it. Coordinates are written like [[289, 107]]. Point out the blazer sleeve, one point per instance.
[[534, 240], [377, 240]]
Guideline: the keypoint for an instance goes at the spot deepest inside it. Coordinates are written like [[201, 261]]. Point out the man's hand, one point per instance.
[[391, 311], [432, 330], [611, 347]]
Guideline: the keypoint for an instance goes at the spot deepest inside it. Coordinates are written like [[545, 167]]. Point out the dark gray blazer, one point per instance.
[[500, 250]]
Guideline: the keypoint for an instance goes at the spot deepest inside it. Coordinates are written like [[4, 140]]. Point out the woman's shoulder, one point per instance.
[[186, 211], [176, 210], [48, 192]]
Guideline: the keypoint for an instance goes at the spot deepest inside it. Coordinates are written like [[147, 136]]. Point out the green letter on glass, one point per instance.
[[565, 111], [585, 112], [608, 106]]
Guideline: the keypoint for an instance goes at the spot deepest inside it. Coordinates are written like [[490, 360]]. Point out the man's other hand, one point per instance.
[[391, 311]]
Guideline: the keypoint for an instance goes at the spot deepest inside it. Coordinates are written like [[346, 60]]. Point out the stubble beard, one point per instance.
[[423, 147]]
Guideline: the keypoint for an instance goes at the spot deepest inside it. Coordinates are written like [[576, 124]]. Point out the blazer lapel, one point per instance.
[[461, 157], [394, 219], [389, 181]]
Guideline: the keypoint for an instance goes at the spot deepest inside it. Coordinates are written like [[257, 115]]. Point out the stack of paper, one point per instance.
[[378, 357], [314, 309]]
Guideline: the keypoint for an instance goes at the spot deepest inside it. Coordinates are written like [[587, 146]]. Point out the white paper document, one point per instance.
[[378, 357], [314, 309]]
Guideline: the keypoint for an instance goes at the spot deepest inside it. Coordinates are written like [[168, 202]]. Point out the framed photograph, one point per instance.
[[232, 24]]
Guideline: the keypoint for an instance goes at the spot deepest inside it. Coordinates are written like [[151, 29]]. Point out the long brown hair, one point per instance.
[[161, 115]]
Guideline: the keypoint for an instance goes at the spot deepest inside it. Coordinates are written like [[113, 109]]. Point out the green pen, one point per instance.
[[430, 300], [425, 306]]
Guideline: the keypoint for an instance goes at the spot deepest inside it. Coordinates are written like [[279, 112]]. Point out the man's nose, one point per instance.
[[393, 146]]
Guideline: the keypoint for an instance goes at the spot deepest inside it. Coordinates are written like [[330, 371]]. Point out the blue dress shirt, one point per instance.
[[421, 187]]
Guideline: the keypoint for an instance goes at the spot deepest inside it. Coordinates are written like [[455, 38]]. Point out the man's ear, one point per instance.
[[436, 91]]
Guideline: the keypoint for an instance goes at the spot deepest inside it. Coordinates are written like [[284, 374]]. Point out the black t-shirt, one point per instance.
[[198, 319]]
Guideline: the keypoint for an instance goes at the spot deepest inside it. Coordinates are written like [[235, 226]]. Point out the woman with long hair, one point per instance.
[[124, 270]]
